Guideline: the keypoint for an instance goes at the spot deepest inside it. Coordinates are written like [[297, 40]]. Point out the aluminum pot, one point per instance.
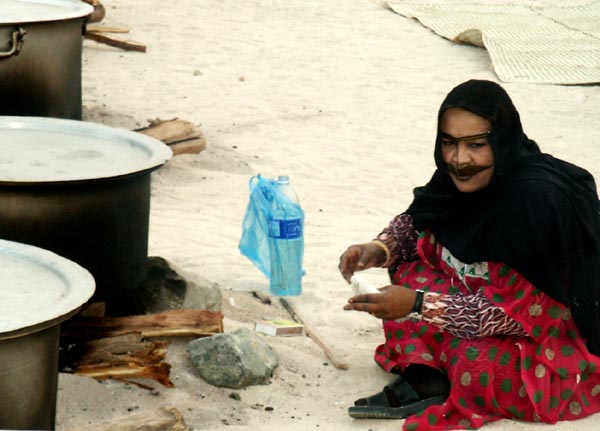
[[39, 290], [81, 190], [40, 57]]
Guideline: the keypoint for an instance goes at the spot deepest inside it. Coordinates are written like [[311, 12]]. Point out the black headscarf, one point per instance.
[[539, 215]]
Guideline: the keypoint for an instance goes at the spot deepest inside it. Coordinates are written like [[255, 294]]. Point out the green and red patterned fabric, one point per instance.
[[547, 376]]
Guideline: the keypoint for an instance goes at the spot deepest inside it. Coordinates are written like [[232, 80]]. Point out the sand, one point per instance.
[[343, 97]]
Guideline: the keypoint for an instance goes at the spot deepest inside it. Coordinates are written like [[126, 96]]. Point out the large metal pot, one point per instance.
[[81, 190], [40, 57], [39, 290]]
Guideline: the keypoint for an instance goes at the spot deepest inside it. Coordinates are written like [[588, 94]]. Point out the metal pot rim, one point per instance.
[[31, 11], [51, 150], [39, 288]]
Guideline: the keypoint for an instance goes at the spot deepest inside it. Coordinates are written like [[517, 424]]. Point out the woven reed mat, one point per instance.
[[537, 44]]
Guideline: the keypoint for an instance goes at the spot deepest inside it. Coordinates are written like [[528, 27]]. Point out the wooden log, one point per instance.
[[310, 331], [176, 323], [171, 131], [164, 419], [191, 146], [158, 372], [123, 357], [113, 347], [127, 348], [127, 45], [99, 11]]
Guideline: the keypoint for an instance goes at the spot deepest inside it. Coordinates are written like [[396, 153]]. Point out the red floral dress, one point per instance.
[[546, 376]]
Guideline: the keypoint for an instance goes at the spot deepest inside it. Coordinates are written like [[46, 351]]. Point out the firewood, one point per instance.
[[99, 11], [165, 419], [104, 29], [171, 131], [191, 146], [159, 372], [310, 331], [121, 357], [127, 45], [114, 347], [176, 323], [127, 348]]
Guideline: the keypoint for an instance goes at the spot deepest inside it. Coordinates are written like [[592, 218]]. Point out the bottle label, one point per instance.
[[286, 229]]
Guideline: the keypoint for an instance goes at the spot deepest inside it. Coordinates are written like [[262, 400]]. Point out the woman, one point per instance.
[[497, 264]]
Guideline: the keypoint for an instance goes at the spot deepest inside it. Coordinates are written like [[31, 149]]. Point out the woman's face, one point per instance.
[[466, 149]]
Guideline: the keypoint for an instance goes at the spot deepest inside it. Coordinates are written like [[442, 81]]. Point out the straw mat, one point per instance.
[[537, 44]]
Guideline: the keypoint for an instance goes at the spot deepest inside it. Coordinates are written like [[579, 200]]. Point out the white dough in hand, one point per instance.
[[360, 285]]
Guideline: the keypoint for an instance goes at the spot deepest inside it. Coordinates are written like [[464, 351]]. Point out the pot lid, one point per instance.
[[38, 286], [48, 150], [27, 11]]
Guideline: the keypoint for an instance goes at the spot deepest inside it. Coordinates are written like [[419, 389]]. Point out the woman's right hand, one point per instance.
[[359, 257]]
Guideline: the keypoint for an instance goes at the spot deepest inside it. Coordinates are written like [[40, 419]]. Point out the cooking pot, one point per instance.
[[39, 290], [81, 190], [40, 57]]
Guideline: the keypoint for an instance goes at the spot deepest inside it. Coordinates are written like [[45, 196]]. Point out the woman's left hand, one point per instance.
[[392, 303]]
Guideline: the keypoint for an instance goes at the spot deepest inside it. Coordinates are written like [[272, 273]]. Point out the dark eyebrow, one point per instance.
[[465, 138]]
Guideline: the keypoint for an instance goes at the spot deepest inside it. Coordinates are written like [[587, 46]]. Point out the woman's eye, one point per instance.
[[447, 142], [477, 144]]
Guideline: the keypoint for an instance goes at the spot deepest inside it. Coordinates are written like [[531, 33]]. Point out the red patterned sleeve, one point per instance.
[[400, 237], [470, 317]]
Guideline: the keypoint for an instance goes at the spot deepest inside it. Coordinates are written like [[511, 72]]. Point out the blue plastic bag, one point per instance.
[[272, 236], [255, 236]]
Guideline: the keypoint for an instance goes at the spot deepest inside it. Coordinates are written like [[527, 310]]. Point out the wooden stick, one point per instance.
[[127, 45], [104, 29], [151, 420], [312, 333], [262, 297]]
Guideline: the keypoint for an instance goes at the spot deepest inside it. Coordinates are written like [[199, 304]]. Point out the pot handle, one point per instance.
[[17, 43]]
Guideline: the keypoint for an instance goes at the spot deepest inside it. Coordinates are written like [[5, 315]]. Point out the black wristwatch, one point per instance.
[[417, 311]]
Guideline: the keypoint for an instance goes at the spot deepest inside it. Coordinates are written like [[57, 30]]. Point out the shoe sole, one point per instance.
[[372, 412]]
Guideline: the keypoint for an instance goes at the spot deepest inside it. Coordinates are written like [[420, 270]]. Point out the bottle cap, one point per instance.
[[283, 179]]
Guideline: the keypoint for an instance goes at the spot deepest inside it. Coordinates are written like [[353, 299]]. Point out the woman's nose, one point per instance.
[[462, 154]]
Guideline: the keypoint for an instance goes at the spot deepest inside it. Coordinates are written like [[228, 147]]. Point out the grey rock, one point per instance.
[[234, 360], [162, 290], [202, 294], [169, 288]]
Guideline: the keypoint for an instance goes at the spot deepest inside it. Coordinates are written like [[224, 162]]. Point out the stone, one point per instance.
[[234, 360], [168, 288], [163, 290], [201, 294]]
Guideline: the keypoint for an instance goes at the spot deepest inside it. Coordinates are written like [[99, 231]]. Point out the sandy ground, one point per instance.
[[342, 96]]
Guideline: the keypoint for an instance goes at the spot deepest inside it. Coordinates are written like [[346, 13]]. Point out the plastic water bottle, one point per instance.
[[286, 241]]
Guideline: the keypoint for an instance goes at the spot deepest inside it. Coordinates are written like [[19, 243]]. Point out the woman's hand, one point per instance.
[[359, 257], [392, 303]]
